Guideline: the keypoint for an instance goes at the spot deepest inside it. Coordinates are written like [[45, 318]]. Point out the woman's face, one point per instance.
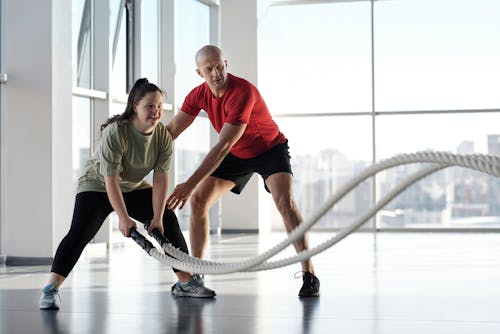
[[148, 112]]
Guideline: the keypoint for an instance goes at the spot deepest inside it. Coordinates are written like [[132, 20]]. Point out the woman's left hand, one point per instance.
[[156, 223]]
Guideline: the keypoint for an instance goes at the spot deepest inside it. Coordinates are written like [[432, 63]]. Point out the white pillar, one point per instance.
[[102, 66], [37, 189], [167, 68], [238, 41]]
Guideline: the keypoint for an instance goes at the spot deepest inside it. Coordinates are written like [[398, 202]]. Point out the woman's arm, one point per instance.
[[160, 188], [125, 223]]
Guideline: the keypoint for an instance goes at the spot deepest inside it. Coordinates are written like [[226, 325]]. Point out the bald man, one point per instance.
[[249, 142]]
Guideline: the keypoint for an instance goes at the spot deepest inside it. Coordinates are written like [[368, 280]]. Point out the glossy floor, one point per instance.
[[396, 283]]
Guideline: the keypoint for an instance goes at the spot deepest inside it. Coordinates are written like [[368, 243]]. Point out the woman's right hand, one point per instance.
[[126, 225]]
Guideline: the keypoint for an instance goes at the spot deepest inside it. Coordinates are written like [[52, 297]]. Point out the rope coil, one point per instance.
[[173, 257]]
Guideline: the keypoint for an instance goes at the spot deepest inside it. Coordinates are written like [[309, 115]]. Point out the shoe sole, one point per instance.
[[192, 295], [49, 308], [309, 295]]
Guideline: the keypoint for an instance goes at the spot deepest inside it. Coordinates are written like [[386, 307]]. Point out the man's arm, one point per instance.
[[179, 123], [228, 136]]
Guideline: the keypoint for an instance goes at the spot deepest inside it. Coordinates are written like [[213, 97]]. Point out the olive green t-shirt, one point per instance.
[[124, 151]]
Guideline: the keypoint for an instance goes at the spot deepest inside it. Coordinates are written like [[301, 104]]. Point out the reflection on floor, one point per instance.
[[398, 283]]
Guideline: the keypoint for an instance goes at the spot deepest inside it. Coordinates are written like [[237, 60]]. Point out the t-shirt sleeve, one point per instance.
[[164, 153], [239, 107], [191, 103], [112, 150]]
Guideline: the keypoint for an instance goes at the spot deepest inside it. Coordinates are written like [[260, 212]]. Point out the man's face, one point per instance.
[[213, 69]]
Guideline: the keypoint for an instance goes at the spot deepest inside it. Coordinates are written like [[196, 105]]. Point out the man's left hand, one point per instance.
[[179, 196]]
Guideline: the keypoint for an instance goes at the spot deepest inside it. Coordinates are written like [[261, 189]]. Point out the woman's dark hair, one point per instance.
[[140, 88]]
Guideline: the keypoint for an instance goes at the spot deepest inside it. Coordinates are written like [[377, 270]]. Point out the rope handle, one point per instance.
[[157, 235], [141, 240]]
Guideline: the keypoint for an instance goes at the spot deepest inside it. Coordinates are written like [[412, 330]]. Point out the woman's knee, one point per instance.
[[169, 216], [172, 230], [170, 222]]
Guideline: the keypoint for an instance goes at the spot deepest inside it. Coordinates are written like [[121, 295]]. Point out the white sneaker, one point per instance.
[[200, 278], [48, 300], [192, 288]]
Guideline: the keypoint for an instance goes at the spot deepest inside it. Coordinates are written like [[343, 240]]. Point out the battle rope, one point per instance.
[[438, 160]]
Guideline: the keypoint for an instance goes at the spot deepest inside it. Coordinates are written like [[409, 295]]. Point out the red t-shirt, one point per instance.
[[240, 104]]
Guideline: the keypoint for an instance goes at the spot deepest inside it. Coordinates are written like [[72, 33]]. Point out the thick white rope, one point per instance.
[[223, 268], [484, 163]]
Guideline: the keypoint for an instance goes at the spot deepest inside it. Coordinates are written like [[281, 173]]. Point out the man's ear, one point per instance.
[[199, 73]]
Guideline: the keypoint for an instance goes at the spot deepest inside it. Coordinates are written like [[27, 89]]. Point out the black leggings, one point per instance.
[[92, 208]]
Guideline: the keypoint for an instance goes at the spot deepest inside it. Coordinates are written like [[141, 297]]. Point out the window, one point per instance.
[[447, 64], [82, 43], [82, 108], [433, 86], [119, 54], [330, 151], [316, 58], [434, 55], [150, 40], [456, 197], [191, 33]]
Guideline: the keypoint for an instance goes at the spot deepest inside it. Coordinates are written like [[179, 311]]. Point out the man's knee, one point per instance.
[[198, 203], [285, 205]]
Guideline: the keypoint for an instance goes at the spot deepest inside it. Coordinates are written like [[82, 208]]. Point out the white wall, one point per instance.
[[37, 190]]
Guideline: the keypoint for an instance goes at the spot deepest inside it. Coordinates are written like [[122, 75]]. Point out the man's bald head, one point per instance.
[[212, 68], [208, 51]]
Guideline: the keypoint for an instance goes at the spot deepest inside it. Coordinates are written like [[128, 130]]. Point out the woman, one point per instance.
[[132, 144]]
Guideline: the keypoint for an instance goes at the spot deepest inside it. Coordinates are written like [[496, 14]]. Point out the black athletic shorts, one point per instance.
[[275, 160]]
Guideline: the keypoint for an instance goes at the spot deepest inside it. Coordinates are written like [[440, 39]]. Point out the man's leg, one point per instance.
[[280, 185], [205, 195]]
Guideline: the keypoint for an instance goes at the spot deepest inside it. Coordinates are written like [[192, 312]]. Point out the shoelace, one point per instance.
[[199, 277], [52, 292]]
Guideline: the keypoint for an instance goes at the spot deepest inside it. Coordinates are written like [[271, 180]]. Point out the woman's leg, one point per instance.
[[173, 233], [91, 209]]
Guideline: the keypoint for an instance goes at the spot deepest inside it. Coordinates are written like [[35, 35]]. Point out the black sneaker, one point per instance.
[[310, 287]]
